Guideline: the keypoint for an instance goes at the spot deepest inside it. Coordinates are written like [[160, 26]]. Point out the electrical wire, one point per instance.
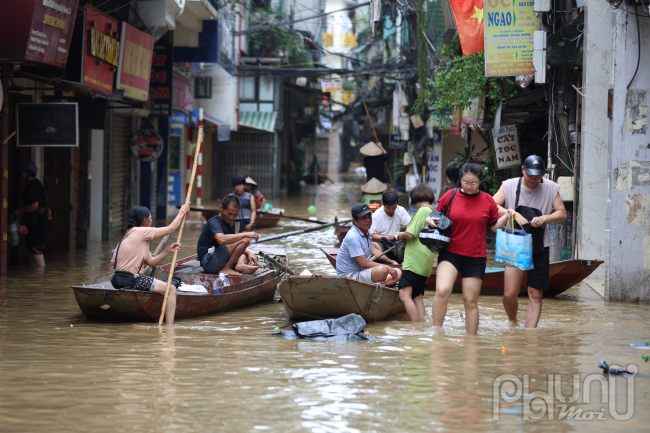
[[638, 59]]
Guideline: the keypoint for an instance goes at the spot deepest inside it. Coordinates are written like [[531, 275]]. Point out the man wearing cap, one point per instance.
[[537, 203], [353, 260], [36, 212], [251, 188], [375, 158]]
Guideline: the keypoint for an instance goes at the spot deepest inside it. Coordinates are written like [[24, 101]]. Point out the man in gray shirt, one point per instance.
[[537, 203], [353, 259]]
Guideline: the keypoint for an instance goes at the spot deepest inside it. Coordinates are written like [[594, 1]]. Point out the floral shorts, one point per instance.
[[144, 283]]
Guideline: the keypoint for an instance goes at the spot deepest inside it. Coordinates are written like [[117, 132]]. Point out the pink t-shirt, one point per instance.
[[134, 250]]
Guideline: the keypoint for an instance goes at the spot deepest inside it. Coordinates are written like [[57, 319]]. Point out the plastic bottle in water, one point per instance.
[[220, 282]]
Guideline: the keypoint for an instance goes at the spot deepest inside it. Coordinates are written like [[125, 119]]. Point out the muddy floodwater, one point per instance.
[[226, 372]]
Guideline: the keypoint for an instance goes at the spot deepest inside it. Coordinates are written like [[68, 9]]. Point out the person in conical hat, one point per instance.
[[374, 186], [375, 158], [251, 187]]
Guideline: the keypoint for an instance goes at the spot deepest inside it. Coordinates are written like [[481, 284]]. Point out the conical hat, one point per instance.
[[370, 149], [250, 181], [374, 186]]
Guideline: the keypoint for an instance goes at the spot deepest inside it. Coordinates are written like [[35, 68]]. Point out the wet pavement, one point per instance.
[[59, 372]]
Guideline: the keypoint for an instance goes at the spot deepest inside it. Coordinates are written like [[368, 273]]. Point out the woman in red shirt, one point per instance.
[[472, 212]]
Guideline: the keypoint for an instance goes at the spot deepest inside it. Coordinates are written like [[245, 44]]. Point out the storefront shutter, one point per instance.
[[119, 131]]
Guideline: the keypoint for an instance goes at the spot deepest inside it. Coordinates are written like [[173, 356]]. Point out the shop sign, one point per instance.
[[134, 69], [331, 85], [160, 84], [147, 145], [509, 27], [102, 51], [507, 152], [52, 124], [395, 141], [179, 119], [182, 96], [434, 163], [50, 31]]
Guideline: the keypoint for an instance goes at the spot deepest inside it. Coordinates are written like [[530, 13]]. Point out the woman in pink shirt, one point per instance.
[[133, 254]]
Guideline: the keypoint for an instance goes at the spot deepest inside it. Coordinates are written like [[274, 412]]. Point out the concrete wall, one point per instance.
[[594, 140], [629, 263], [223, 104]]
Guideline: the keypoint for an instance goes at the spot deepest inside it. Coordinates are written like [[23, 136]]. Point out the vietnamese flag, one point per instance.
[[469, 22]]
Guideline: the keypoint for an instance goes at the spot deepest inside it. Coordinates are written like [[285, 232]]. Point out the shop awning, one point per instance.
[[264, 120], [223, 128]]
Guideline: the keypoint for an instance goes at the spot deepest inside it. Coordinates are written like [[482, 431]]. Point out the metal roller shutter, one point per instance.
[[119, 131]]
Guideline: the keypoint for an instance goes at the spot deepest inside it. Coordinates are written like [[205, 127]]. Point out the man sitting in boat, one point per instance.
[[387, 222], [219, 249], [353, 260], [251, 188]]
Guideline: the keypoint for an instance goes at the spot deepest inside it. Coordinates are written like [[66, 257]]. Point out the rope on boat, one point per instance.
[[374, 300]]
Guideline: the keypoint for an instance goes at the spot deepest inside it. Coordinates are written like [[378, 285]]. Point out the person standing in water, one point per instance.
[[247, 209], [36, 213], [252, 188], [537, 203]]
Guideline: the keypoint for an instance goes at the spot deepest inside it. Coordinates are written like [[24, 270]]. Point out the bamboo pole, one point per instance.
[[199, 142], [376, 138]]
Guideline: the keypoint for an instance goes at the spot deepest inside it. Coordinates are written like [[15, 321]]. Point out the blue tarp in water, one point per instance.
[[346, 328]]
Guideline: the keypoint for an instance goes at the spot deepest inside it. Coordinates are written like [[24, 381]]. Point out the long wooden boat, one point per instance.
[[562, 276], [309, 178], [262, 220], [317, 297], [100, 301], [341, 231]]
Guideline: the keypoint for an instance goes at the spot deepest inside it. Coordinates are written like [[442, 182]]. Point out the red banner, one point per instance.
[[182, 96], [101, 51], [134, 70]]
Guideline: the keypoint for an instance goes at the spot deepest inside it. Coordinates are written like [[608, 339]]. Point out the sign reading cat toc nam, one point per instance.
[[509, 28], [507, 153]]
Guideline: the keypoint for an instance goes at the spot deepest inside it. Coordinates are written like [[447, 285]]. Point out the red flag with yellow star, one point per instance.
[[469, 22]]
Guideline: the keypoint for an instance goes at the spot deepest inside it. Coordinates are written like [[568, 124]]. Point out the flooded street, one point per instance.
[[226, 372]]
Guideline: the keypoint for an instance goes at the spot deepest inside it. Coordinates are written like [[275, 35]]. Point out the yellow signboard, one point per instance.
[[509, 27]]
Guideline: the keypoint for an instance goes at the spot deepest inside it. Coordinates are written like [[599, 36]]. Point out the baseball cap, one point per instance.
[[359, 210], [28, 166], [534, 166]]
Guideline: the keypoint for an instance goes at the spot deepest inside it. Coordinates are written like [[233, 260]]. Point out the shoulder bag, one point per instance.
[[122, 279], [437, 239]]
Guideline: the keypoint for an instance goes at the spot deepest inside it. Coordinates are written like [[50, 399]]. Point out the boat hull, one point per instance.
[[100, 301], [562, 276], [262, 221], [316, 297]]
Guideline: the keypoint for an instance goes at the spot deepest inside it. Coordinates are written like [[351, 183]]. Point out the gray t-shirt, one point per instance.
[[542, 198], [354, 244]]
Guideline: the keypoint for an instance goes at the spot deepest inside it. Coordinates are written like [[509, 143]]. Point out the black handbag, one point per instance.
[[437, 239], [529, 213], [122, 279]]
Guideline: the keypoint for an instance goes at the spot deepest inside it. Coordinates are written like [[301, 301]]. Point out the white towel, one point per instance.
[[196, 288]]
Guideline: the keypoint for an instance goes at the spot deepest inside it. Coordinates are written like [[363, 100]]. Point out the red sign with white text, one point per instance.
[[182, 96], [101, 51], [134, 70]]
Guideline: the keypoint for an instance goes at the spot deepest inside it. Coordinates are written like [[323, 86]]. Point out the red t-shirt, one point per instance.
[[471, 216]]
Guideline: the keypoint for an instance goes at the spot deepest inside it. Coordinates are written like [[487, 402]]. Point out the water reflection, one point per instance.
[[59, 372]]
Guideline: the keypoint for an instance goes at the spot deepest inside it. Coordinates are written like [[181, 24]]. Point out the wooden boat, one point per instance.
[[101, 301], [262, 220], [309, 178], [341, 230], [316, 297], [562, 276]]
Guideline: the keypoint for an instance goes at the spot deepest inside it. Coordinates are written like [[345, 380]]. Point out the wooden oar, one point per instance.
[[199, 141], [382, 254], [276, 263], [148, 270], [376, 138], [295, 218], [298, 232]]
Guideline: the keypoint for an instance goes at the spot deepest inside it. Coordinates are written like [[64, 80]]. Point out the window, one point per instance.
[[203, 87], [256, 94], [266, 89], [247, 91]]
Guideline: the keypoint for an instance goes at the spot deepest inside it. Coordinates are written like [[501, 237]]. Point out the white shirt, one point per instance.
[[383, 224]]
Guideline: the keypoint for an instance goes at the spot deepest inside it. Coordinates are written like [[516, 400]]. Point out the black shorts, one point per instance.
[[467, 267], [416, 281], [213, 263], [538, 277]]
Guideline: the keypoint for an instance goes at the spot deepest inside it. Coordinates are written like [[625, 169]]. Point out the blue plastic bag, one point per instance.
[[514, 250]]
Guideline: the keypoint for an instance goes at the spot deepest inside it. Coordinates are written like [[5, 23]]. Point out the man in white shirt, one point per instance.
[[386, 223]]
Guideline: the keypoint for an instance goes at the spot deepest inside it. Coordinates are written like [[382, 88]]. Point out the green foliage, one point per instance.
[[274, 41], [460, 79], [423, 55], [646, 356]]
